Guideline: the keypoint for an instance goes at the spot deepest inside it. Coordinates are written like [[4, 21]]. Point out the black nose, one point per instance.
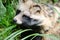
[[14, 20]]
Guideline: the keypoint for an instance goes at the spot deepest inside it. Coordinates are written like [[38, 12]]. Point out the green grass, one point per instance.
[[8, 29]]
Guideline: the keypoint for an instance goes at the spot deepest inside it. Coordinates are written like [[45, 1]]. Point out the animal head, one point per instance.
[[30, 13]]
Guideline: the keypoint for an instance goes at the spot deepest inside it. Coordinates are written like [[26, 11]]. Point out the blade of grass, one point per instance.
[[12, 34], [16, 33], [33, 37], [44, 35], [7, 29], [29, 36]]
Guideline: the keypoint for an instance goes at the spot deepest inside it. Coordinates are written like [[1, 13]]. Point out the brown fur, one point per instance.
[[45, 12]]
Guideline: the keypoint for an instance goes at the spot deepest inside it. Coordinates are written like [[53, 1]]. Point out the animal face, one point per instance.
[[30, 13]]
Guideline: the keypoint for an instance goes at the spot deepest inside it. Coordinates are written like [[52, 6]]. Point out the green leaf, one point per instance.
[[2, 9]]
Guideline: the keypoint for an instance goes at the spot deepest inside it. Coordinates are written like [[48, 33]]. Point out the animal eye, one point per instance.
[[18, 11], [25, 16], [38, 11]]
